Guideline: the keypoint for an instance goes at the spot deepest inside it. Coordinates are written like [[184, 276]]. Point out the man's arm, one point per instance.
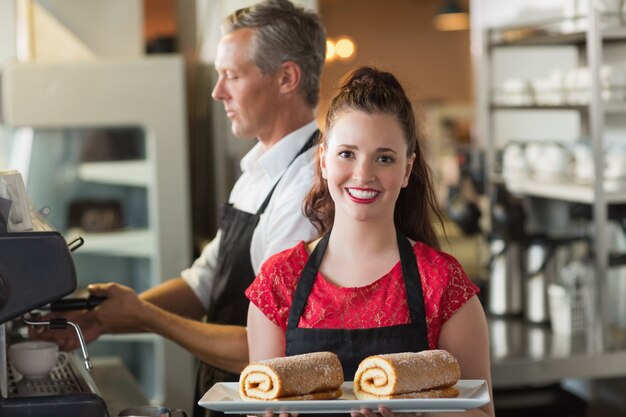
[[119, 315], [171, 310], [175, 296]]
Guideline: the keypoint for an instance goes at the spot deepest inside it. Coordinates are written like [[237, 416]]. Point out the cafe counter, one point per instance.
[[118, 387]]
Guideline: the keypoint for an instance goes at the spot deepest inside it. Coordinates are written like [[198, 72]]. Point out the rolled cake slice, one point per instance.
[[311, 376], [426, 374]]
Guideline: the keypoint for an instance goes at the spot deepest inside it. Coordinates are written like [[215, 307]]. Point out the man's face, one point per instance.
[[249, 96]]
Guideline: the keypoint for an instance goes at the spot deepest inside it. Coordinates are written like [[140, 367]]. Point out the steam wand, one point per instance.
[[60, 323]]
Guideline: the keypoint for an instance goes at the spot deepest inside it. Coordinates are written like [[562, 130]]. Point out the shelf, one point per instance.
[[525, 354], [535, 37], [545, 34], [567, 191], [614, 108], [581, 107], [129, 337], [610, 108], [129, 173], [130, 243]]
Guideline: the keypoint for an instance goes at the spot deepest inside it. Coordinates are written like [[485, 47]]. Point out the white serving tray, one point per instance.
[[224, 396]]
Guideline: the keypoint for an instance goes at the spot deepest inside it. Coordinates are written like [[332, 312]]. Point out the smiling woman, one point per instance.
[[372, 111], [375, 282], [365, 165]]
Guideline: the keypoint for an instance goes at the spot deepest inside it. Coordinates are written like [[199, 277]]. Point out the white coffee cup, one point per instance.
[[35, 359], [615, 162], [553, 163], [532, 153], [583, 161], [514, 161]]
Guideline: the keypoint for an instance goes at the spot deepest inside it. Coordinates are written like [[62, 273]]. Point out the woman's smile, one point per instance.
[[362, 195]]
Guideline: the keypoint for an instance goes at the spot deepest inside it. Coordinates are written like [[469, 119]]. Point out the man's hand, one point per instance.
[[122, 310]]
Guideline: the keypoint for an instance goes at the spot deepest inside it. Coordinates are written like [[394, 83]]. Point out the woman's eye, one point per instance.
[[345, 154], [385, 159]]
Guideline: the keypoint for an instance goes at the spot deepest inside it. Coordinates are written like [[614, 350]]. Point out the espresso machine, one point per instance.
[[36, 271]]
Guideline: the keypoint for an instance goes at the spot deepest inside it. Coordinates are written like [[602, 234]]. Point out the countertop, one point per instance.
[[118, 387], [524, 354]]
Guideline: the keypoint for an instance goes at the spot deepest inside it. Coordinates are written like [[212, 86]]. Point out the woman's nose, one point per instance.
[[363, 171]]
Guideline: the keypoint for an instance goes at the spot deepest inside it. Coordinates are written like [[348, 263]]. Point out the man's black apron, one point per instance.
[[229, 304], [352, 346]]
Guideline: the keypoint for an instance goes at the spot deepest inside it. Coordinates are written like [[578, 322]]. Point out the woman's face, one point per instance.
[[365, 165]]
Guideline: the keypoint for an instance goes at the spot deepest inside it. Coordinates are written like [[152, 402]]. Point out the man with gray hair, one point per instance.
[[269, 62]]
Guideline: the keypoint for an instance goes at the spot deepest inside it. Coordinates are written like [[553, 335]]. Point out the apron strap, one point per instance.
[[308, 145], [410, 273], [305, 283], [412, 282]]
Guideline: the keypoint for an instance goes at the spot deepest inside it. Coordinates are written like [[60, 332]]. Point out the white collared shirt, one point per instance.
[[283, 224]]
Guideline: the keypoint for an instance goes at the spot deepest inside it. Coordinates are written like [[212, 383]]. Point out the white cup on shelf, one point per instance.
[[514, 92], [613, 82], [583, 83], [615, 163], [570, 86], [583, 161], [514, 161], [532, 153], [553, 163], [36, 359], [611, 11]]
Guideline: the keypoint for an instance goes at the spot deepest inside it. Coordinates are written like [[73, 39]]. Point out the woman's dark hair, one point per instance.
[[369, 90]]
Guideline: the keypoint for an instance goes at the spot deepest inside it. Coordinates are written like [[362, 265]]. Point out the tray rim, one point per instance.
[[479, 396]]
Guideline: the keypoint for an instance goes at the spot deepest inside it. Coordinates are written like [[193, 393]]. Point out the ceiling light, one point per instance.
[[344, 48], [451, 16], [330, 50]]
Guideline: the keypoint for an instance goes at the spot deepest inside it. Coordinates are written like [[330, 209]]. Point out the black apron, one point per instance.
[[229, 304], [352, 346]]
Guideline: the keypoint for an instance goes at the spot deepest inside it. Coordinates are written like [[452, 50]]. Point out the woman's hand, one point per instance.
[[363, 412], [270, 413], [385, 412]]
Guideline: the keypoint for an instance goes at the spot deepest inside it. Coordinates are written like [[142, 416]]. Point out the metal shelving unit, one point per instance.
[[598, 353]]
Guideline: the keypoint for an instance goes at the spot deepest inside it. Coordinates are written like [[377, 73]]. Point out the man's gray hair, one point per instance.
[[284, 32]]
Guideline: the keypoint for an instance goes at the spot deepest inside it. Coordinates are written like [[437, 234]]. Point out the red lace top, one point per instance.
[[383, 303]]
